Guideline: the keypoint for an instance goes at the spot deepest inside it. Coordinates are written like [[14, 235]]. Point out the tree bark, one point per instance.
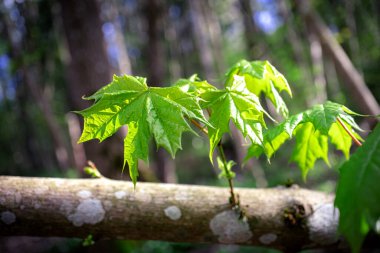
[[283, 218]]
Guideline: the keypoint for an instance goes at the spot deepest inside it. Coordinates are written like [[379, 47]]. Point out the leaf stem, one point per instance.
[[357, 142], [228, 175], [234, 202], [199, 126]]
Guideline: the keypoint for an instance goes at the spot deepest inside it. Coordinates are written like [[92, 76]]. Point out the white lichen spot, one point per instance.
[[41, 190], [268, 238], [143, 197], [8, 217], [173, 212], [84, 194], [229, 228], [89, 211], [37, 205], [17, 198], [323, 224], [120, 194], [377, 226]]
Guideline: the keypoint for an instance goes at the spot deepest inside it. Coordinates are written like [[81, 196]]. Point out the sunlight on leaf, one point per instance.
[[263, 77], [236, 103], [149, 112], [312, 129]]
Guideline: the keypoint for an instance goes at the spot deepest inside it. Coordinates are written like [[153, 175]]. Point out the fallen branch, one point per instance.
[[283, 218]]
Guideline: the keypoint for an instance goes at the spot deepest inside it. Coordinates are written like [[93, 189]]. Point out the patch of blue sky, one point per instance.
[[174, 11], [9, 85], [109, 34], [267, 17]]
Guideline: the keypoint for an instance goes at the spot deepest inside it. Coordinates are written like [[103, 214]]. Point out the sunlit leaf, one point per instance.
[[226, 169], [194, 85], [262, 77], [147, 111], [311, 145], [237, 103], [312, 129]]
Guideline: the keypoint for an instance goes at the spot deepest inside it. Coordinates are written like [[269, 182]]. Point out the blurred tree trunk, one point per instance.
[[202, 37], [216, 38], [333, 89], [251, 32], [111, 12], [124, 62], [32, 75], [353, 41], [294, 37], [88, 69], [313, 72], [316, 56], [88, 64], [172, 37], [154, 12], [352, 79], [27, 152]]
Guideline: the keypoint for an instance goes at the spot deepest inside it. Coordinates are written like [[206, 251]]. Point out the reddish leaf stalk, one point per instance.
[[357, 142], [199, 126]]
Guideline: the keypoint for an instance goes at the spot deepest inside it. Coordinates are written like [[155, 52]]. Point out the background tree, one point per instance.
[[54, 52]]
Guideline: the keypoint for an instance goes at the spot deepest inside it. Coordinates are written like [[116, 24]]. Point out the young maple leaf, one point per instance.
[[237, 103], [263, 77], [312, 129], [147, 111]]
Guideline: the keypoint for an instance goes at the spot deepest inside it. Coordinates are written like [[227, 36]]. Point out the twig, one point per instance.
[[234, 202], [230, 183], [92, 170]]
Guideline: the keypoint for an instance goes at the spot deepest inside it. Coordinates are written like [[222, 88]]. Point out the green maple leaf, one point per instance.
[[237, 103], [147, 111], [358, 192], [262, 77], [311, 145], [226, 169], [194, 85], [312, 129]]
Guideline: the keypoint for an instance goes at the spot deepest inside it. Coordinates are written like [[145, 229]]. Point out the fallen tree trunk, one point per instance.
[[283, 218]]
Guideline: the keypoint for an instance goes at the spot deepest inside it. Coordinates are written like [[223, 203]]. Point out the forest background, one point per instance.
[[54, 52]]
